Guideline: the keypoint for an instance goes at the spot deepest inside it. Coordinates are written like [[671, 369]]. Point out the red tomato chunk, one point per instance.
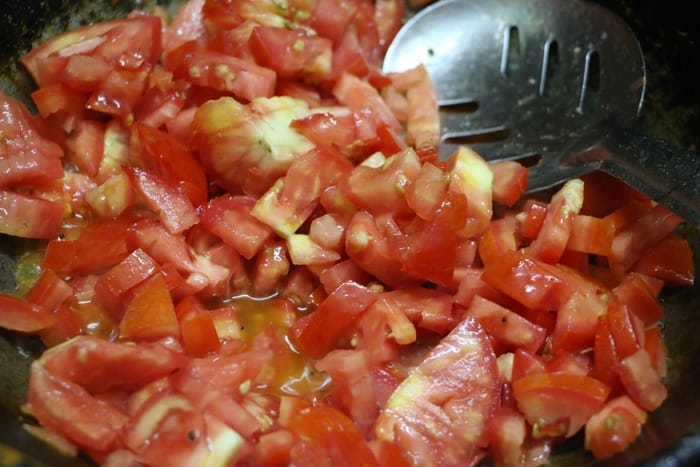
[[251, 255]]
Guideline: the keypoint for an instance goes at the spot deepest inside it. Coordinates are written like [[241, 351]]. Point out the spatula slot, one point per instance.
[[590, 84], [482, 136], [550, 65], [510, 51]]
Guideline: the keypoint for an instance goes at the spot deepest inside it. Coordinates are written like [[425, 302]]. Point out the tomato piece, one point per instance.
[[507, 436], [187, 25], [23, 316], [328, 231], [136, 36], [170, 201], [670, 260], [531, 217], [343, 271], [323, 432], [271, 266], [67, 325], [553, 236], [388, 454], [635, 294], [641, 381], [614, 428], [627, 330], [507, 326], [333, 318], [440, 413], [471, 176], [246, 148], [151, 313], [113, 197], [86, 146], [428, 309], [304, 251], [576, 322], [656, 348], [67, 408], [631, 242], [388, 16], [359, 94], [221, 72], [293, 198], [525, 363], [199, 335], [427, 191], [292, 52], [331, 18], [379, 190], [509, 181], [117, 281], [355, 134], [558, 404], [498, 238], [169, 158], [353, 391], [26, 157], [60, 104], [229, 218], [532, 283], [373, 251], [591, 235], [49, 291], [423, 117], [429, 248], [29, 216]]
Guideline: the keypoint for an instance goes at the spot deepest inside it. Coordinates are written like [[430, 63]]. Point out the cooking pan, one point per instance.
[[668, 34]]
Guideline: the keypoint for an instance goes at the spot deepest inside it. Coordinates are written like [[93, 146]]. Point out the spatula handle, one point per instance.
[[665, 172]]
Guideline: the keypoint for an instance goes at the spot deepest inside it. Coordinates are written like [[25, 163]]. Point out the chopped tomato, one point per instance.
[[136, 36], [614, 428], [28, 216], [450, 396], [333, 318], [151, 313], [19, 315], [558, 404], [251, 254]]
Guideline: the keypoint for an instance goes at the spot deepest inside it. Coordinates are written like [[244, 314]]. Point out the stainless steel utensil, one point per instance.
[[562, 80]]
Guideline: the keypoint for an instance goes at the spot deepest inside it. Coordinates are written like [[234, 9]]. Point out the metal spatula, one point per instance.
[[562, 80]]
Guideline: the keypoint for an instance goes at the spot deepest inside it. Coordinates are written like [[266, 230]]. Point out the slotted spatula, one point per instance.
[[558, 80]]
